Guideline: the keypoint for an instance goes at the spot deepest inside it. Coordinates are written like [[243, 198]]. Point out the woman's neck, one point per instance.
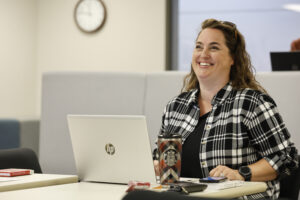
[[207, 93], [209, 90]]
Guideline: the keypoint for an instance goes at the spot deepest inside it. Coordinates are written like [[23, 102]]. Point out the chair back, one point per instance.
[[150, 195], [290, 185], [23, 158], [9, 133]]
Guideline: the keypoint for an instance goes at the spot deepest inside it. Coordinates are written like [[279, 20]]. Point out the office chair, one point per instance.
[[9, 133], [150, 195], [23, 158], [290, 185]]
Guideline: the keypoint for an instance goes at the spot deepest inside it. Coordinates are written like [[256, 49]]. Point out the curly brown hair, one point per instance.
[[242, 71]]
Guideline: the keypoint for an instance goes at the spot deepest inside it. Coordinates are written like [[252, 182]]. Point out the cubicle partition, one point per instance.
[[130, 94], [66, 93]]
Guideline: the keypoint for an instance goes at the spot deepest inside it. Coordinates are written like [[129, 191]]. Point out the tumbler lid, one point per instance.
[[169, 135]]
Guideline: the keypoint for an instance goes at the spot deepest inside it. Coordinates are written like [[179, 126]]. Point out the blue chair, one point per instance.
[[9, 133]]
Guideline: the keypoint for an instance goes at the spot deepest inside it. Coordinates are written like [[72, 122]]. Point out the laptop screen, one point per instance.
[[111, 148], [285, 61]]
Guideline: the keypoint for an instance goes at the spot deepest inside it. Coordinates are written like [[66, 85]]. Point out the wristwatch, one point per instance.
[[245, 172]]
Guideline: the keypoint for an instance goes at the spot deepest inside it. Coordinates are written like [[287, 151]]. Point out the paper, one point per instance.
[[6, 179]]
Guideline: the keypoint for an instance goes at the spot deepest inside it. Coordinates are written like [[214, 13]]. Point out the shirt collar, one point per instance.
[[194, 96], [222, 94], [218, 98]]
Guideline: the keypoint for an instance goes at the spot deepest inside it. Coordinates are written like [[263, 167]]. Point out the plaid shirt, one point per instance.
[[243, 127]]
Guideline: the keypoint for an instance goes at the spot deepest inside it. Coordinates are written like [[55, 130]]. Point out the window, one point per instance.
[[266, 25]]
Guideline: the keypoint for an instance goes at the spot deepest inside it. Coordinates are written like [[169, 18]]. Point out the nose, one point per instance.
[[204, 53]]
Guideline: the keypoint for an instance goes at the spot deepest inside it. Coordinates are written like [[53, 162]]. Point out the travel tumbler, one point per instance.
[[169, 150]]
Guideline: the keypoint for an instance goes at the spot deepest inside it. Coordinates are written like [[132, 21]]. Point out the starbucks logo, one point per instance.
[[171, 156], [110, 149]]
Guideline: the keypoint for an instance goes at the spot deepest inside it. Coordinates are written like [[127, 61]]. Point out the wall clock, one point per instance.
[[90, 15]]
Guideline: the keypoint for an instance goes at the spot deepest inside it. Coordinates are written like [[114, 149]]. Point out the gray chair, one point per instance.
[[23, 158]]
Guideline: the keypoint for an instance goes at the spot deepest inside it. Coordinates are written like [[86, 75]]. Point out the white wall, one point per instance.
[[132, 39], [17, 58], [40, 35]]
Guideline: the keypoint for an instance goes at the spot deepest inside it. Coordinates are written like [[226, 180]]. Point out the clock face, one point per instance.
[[90, 15]]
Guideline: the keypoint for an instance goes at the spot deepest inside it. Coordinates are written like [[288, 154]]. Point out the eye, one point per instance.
[[214, 48], [199, 47]]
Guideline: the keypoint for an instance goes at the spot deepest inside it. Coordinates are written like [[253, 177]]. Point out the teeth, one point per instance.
[[204, 64]]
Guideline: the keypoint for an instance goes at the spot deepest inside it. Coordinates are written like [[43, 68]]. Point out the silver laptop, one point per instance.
[[111, 148]]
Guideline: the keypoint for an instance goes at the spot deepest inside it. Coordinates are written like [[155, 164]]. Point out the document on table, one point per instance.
[[6, 179], [217, 186], [224, 185]]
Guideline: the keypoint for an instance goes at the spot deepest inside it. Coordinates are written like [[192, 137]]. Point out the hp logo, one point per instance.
[[110, 149]]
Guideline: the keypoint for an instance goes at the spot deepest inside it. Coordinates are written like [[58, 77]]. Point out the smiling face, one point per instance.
[[211, 60]]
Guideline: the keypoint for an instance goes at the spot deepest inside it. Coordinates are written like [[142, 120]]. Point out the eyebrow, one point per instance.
[[212, 43]]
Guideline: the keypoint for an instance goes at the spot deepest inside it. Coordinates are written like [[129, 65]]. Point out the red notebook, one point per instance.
[[15, 172]]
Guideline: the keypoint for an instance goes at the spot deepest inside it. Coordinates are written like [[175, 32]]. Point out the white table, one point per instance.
[[96, 191], [35, 180]]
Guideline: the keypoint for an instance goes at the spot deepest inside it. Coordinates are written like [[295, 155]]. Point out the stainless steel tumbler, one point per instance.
[[169, 150]]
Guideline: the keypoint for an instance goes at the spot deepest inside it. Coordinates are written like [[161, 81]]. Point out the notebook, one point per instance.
[[111, 148]]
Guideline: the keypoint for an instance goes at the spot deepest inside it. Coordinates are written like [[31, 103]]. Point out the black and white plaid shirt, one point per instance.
[[243, 127]]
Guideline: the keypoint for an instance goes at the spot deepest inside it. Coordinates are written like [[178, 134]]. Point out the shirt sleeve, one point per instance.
[[270, 136], [164, 121], [162, 130]]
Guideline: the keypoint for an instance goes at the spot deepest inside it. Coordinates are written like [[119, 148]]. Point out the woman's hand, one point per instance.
[[156, 167], [260, 171], [229, 173]]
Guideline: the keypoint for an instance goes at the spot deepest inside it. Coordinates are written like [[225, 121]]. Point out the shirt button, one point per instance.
[[208, 127], [203, 142], [281, 134], [203, 164]]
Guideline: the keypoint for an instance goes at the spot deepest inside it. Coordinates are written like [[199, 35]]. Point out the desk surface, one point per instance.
[[96, 191], [35, 180]]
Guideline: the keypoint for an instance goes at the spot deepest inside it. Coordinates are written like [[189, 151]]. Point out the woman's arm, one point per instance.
[[270, 137], [260, 170]]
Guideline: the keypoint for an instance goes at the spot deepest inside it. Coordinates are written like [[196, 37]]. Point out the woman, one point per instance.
[[229, 125]]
